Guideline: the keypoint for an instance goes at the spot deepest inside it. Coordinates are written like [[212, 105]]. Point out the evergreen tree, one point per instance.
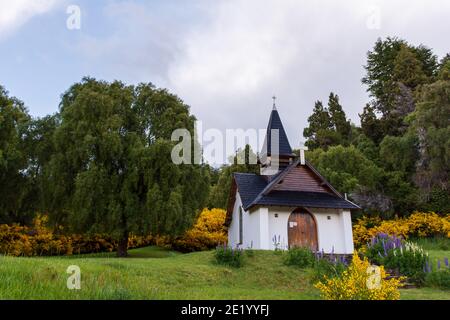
[[338, 118], [319, 132], [219, 194], [430, 123], [370, 124], [395, 70]]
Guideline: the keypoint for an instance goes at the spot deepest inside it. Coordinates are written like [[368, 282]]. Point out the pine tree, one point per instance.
[[338, 118], [320, 128]]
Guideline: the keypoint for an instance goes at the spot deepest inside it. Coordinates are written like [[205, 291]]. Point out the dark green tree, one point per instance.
[[320, 133], [395, 70], [371, 125], [241, 162], [13, 160], [430, 123], [39, 147], [338, 118], [112, 172]]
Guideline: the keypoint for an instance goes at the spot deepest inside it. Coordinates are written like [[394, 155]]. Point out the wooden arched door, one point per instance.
[[302, 230]]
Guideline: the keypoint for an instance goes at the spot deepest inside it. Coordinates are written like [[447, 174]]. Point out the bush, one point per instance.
[[207, 233], [356, 283], [38, 240], [401, 257], [228, 256], [326, 269], [438, 279], [416, 225], [300, 257]]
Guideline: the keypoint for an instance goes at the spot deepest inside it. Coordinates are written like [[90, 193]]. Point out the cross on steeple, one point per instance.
[[303, 148], [274, 106]]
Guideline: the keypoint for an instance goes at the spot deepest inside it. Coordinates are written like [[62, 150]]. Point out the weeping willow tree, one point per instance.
[[111, 171]]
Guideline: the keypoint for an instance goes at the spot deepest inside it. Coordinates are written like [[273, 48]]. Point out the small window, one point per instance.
[[276, 215], [241, 227], [329, 217]]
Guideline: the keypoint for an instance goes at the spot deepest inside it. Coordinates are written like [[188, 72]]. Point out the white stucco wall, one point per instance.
[[260, 226], [251, 227]]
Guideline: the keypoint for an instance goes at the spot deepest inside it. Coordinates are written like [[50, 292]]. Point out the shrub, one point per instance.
[[401, 257], [356, 283], [301, 257], [438, 279], [326, 269], [228, 256], [38, 240], [207, 233], [416, 225]]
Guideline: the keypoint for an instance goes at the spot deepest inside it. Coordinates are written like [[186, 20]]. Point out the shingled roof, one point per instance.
[[284, 146], [255, 190]]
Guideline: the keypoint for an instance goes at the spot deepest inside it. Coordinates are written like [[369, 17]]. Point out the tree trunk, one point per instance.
[[122, 248]]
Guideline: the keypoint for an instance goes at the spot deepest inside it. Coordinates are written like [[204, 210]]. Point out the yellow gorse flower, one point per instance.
[[418, 224], [355, 283]]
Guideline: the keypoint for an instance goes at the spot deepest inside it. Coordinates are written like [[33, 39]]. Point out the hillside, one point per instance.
[[154, 273]]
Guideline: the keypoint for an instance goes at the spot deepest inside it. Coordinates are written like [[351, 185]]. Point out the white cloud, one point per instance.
[[228, 57], [15, 13], [229, 67]]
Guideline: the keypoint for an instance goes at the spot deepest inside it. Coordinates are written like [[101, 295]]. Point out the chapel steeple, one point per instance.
[[276, 153]]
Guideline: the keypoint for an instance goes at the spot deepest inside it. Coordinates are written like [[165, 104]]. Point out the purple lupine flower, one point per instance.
[[439, 264], [384, 248], [446, 261], [427, 267]]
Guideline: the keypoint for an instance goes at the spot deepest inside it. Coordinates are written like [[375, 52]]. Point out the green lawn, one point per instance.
[[155, 273]]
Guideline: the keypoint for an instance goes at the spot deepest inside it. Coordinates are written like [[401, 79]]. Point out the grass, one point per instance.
[[156, 273], [187, 276]]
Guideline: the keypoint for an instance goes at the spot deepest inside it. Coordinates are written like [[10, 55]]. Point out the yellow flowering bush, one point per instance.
[[418, 224], [427, 225], [361, 281], [207, 233], [38, 240]]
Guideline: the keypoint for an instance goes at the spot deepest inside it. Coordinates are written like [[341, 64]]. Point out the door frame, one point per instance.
[[315, 224]]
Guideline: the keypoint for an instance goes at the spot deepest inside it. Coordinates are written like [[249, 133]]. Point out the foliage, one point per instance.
[[233, 257], [207, 233], [245, 162], [393, 62], [430, 123], [112, 170], [402, 257], [38, 240], [353, 284], [328, 267], [327, 126], [416, 225], [14, 183], [438, 279], [301, 257]]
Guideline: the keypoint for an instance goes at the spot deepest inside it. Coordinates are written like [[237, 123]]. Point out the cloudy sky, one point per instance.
[[226, 59]]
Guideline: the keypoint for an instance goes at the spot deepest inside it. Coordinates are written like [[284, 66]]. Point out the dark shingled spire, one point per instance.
[[284, 146]]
